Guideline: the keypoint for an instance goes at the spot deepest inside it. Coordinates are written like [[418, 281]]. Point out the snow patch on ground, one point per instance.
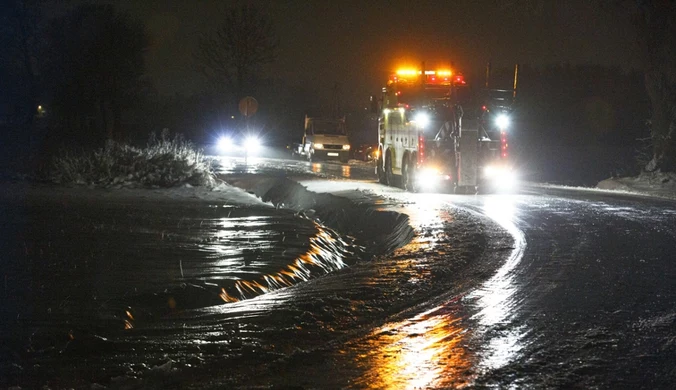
[[660, 184], [653, 184]]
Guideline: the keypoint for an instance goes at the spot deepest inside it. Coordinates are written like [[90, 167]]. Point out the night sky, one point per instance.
[[357, 43]]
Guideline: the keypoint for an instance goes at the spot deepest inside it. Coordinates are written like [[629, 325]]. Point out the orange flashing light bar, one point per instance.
[[413, 72], [441, 76]]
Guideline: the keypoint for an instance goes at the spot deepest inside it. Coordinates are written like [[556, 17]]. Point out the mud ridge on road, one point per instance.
[[378, 231]]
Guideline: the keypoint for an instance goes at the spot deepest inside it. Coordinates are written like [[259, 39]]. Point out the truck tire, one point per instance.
[[389, 176], [404, 174], [411, 171], [380, 170]]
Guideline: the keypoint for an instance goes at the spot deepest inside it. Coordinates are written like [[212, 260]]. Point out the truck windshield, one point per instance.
[[327, 127]]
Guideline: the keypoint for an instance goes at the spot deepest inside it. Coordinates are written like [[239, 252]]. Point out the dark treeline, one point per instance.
[[78, 78], [579, 123]]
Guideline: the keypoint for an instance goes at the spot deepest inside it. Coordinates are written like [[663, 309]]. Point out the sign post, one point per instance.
[[247, 107]]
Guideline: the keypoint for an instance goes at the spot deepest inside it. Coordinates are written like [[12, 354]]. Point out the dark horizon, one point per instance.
[[356, 45]]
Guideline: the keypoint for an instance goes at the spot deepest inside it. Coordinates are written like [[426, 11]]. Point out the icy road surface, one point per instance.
[[582, 296], [540, 289]]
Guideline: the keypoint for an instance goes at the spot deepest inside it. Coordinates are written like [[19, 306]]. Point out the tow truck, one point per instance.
[[324, 139], [435, 134]]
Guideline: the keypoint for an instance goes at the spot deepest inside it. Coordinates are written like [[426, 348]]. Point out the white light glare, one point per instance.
[[503, 178], [422, 119], [252, 143], [502, 121], [224, 143]]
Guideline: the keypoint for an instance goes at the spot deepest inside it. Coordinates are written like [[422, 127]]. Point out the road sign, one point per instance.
[[248, 106]]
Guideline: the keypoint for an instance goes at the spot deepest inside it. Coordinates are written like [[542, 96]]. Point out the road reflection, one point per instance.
[[495, 300], [427, 351]]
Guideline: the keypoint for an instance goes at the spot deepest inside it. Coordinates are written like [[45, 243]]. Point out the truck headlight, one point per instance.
[[422, 119], [318, 146], [502, 121], [346, 147]]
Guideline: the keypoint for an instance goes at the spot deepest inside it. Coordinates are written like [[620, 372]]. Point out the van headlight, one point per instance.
[[318, 146], [346, 147], [224, 144], [252, 143]]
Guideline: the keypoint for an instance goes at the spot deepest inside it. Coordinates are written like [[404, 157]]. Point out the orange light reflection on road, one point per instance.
[[425, 352], [298, 270], [346, 171], [317, 168]]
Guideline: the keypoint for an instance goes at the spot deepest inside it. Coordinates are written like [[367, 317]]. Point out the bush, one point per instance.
[[164, 162]]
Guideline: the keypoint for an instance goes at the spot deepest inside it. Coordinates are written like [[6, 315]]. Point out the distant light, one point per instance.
[[39, 108], [232, 117]]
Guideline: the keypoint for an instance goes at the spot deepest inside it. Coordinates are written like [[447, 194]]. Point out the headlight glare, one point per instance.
[[422, 119], [252, 143], [502, 121], [224, 143]]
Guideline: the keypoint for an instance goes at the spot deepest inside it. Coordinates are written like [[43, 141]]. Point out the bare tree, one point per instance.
[[18, 57], [94, 66], [656, 25], [233, 55]]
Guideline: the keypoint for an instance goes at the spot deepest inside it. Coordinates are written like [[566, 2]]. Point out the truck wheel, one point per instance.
[[411, 172], [404, 175], [380, 170], [389, 177]]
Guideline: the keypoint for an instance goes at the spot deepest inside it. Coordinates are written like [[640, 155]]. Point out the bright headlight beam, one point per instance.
[[502, 121], [422, 119], [252, 143], [224, 143]]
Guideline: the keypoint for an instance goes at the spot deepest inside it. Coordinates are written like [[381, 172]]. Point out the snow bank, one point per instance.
[[164, 162], [659, 184], [377, 231]]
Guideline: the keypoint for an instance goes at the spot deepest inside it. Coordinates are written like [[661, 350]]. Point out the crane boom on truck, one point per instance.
[[433, 133]]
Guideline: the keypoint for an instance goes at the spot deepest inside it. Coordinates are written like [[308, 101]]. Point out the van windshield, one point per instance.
[[328, 127]]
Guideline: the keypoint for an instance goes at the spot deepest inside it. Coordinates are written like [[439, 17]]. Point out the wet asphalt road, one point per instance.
[[538, 289], [585, 297]]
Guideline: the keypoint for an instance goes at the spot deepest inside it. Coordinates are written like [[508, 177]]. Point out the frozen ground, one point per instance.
[[94, 273], [181, 288], [654, 184]]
